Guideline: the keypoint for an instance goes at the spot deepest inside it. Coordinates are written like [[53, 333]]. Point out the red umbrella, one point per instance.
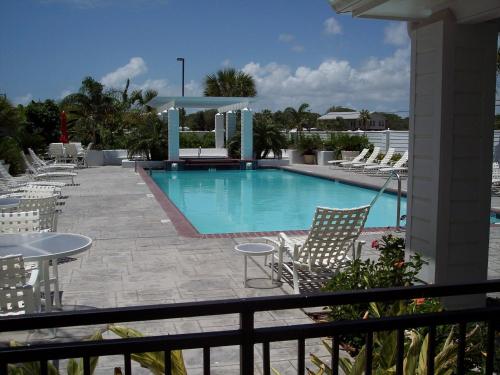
[[64, 138]]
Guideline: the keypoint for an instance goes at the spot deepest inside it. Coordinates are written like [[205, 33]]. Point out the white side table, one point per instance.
[[255, 249]]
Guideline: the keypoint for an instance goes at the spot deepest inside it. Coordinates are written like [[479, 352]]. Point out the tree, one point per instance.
[[267, 136], [91, 111], [339, 108], [42, 123], [229, 82], [364, 117], [297, 118]]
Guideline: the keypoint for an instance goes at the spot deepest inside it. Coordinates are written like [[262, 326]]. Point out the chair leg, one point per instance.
[[295, 280]]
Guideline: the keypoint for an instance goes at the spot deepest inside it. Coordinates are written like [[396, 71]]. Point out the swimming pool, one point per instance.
[[265, 200]]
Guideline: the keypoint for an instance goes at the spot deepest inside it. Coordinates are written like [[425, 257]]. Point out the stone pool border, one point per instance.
[[184, 227]]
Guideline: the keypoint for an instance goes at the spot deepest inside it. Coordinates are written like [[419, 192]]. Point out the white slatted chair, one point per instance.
[[42, 164], [358, 158], [56, 152], [17, 294], [398, 166], [71, 150], [46, 207], [18, 222], [384, 163], [370, 160], [327, 246], [39, 174], [24, 180], [495, 174]]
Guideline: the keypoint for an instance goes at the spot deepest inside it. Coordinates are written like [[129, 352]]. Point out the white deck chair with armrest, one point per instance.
[[56, 152], [357, 159], [24, 180], [18, 222], [385, 162], [42, 164], [47, 175], [327, 246], [398, 166], [370, 160], [495, 176], [17, 287], [46, 207]]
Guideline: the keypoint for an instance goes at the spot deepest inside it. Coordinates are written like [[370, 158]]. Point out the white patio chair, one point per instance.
[[71, 151], [17, 294], [326, 247], [370, 160], [46, 207], [398, 166], [56, 152], [17, 222], [357, 159], [495, 177], [24, 180], [385, 162], [37, 174], [42, 164]]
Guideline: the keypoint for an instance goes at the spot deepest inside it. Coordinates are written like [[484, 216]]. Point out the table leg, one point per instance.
[[46, 285], [245, 272], [272, 269], [55, 271]]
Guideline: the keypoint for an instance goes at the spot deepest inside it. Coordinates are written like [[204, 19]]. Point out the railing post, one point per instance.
[[246, 347], [387, 139], [398, 209]]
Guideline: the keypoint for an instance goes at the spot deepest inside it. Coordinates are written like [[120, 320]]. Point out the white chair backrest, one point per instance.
[[15, 296], [16, 222], [71, 150], [361, 155], [29, 166], [36, 160], [4, 173], [495, 173], [402, 161], [331, 236], [373, 155], [388, 156], [46, 207], [34, 191], [56, 151]]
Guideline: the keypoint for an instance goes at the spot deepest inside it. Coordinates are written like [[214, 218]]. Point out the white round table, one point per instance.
[[42, 248], [255, 249]]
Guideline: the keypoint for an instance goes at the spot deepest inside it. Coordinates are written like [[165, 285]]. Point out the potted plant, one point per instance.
[[307, 146]]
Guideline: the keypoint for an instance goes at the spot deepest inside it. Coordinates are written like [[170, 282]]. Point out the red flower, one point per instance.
[[375, 244], [419, 301], [399, 264]]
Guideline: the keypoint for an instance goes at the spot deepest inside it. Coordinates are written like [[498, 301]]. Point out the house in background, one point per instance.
[[351, 120]]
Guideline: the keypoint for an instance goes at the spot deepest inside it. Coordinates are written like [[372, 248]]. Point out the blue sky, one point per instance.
[[297, 50]]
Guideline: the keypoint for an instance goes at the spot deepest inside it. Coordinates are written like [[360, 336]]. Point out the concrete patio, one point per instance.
[[138, 258]]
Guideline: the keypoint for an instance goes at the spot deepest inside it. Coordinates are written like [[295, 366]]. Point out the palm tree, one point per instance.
[[297, 117], [90, 110], [267, 136], [364, 116], [229, 82], [137, 98]]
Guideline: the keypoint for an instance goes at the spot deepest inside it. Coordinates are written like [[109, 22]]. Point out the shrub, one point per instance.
[[10, 152], [308, 144], [345, 141], [195, 140]]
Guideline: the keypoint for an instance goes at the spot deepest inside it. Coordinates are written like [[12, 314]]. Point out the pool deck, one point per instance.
[[138, 258]]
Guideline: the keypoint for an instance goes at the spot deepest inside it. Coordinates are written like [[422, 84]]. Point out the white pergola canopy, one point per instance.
[[222, 104], [465, 11]]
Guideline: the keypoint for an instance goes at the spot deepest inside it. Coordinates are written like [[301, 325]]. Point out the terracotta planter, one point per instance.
[[309, 159]]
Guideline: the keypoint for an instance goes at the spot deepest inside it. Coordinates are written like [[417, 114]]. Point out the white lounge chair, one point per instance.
[[56, 152], [327, 246], [398, 166], [18, 222], [370, 160], [41, 175], [42, 164], [17, 287], [385, 162], [46, 207], [24, 180], [357, 159], [495, 177]]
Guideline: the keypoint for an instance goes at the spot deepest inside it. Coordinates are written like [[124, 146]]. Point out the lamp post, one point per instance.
[[182, 59]]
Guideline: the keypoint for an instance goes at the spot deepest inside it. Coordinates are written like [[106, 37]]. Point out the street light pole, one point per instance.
[[182, 59]]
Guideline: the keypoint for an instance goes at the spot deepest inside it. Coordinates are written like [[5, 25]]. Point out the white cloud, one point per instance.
[[286, 38], [332, 26], [298, 48], [379, 83], [396, 34], [25, 99], [117, 78]]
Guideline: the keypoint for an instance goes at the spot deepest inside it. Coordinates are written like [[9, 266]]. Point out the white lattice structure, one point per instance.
[[327, 246], [46, 208], [17, 295], [16, 222]]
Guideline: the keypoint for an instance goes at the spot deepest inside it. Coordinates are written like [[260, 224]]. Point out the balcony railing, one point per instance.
[[247, 336]]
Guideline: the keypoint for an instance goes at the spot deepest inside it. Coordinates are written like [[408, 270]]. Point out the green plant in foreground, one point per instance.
[[153, 361]]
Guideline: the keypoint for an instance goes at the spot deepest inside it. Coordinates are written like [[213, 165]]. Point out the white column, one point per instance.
[[173, 134], [452, 107], [230, 125], [246, 134], [219, 130]]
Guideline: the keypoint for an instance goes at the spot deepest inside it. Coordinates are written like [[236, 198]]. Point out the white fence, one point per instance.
[[397, 139]]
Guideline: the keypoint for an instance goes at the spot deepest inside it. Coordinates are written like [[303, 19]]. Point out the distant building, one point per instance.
[[351, 120]]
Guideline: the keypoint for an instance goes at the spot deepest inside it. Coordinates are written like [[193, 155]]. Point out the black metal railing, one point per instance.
[[247, 336]]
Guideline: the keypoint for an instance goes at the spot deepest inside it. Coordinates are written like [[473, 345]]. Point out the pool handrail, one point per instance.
[[381, 191]]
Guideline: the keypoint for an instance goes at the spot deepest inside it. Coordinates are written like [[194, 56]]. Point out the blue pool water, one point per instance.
[[265, 199]]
